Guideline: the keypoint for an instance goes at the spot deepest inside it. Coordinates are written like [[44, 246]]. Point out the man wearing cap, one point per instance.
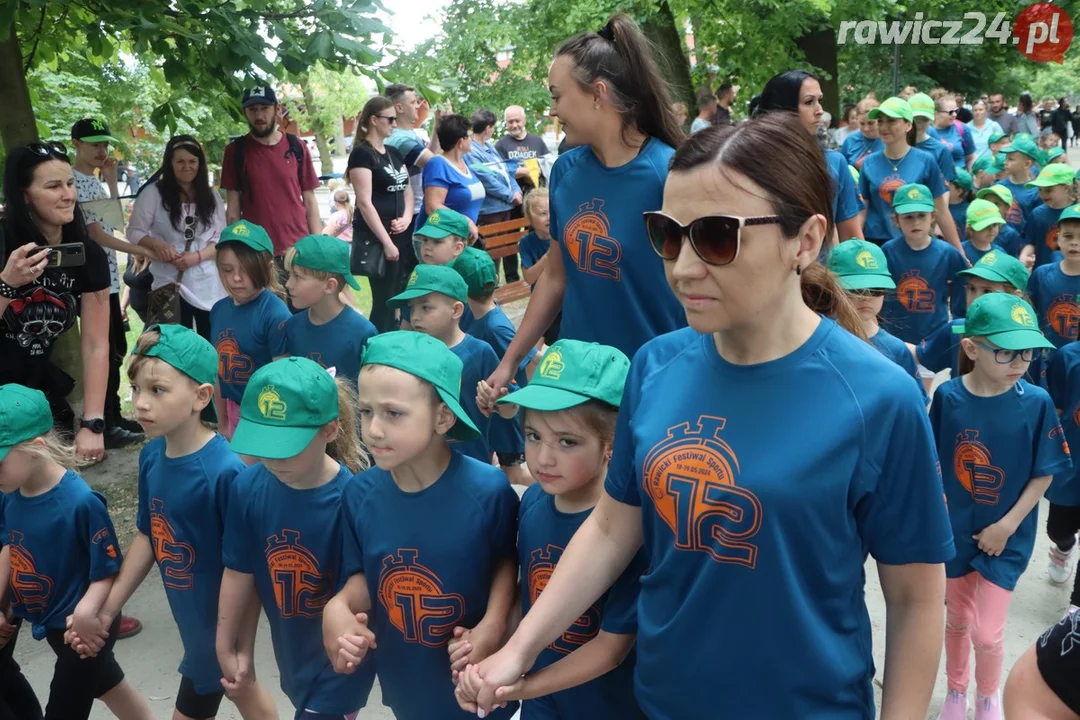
[[999, 113], [273, 184]]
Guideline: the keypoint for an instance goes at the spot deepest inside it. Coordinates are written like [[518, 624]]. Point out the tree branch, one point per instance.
[[37, 38]]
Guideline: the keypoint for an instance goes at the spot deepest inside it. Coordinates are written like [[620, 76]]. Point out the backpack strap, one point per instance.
[[296, 149]]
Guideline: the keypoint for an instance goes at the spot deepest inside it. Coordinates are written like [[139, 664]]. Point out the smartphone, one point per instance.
[[67, 255]]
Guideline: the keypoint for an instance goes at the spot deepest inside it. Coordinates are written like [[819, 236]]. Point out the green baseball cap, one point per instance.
[[860, 265], [1053, 154], [996, 137], [963, 179], [894, 107], [999, 266], [1053, 174], [912, 198], [188, 352], [922, 105], [982, 214], [478, 270], [1005, 320], [249, 234], [24, 415], [1024, 146], [284, 405], [444, 222], [1070, 213], [322, 252], [999, 165], [982, 164], [428, 359], [573, 372], [427, 279], [1000, 191]]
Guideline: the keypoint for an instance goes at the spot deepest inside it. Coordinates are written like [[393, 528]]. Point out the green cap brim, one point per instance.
[[99, 138], [985, 223], [464, 429], [881, 110], [867, 282], [544, 399], [245, 241], [435, 233], [351, 281], [402, 299], [913, 208], [986, 273], [1020, 340], [921, 113], [271, 441], [1045, 182]]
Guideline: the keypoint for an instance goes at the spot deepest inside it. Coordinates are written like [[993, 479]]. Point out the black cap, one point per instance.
[[259, 96], [91, 130]]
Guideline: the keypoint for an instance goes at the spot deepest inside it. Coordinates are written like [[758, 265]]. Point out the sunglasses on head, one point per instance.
[[46, 149], [714, 238]]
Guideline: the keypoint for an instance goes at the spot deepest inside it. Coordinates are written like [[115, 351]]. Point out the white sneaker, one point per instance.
[[1060, 567], [955, 707]]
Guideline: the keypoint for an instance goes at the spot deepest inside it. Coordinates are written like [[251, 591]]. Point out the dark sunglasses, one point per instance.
[[714, 238], [389, 118], [189, 227], [871, 292], [948, 112], [46, 149]]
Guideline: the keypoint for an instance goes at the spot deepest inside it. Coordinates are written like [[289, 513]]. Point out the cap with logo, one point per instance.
[[430, 360], [427, 279], [444, 222], [963, 179], [1053, 154], [1005, 320], [1070, 213], [996, 137], [1024, 146], [259, 96], [860, 265], [573, 372], [912, 198], [284, 405], [998, 165], [24, 415], [478, 270], [922, 105], [249, 234], [894, 107], [982, 164], [981, 214], [325, 253], [187, 351], [1000, 267], [91, 130], [1053, 174], [1001, 192]]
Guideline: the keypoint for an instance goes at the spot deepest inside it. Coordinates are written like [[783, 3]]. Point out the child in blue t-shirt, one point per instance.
[[438, 242], [961, 193], [923, 267], [284, 533], [245, 326], [1007, 238], [1020, 156], [1063, 519], [1000, 444], [430, 534], [61, 548], [325, 331], [17, 698], [981, 223], [1054, 185], [533, 247], [1054, 289]]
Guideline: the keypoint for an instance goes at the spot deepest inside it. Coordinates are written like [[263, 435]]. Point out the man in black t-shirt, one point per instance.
[[517, 146]]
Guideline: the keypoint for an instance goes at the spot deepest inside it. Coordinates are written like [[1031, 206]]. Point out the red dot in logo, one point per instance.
[[1043, 32]]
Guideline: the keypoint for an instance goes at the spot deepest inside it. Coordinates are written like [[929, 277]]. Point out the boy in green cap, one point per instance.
[[1055, 155], [439, 242], [1054, 186], [961, 193], [1007, 238], [427, 528], [1020, 156], [1054, 288], [996, 142], [325, 330], [982, 222], [981, 172]]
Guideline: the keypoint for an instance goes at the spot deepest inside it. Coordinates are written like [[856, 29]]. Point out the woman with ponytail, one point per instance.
[[759, 455]]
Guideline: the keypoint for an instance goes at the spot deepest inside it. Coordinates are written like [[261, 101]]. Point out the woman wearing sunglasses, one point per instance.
[[955, 135], [758, 540], [179, 218], [43, 292]]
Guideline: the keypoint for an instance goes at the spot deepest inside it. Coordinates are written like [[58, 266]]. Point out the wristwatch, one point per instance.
[[96, 425]]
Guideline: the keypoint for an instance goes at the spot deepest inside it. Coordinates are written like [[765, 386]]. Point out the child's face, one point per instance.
[[956, 193], [1027, 256], [165, 398], [868, 127], [562, 455], [1068, 240], [867, 302], [982, 179], [441, 251], [435, 314], [1002, 206], [236, 281], [540, 216], [1001, 373], [976, 287], [399, 416], [305, 289], [982, 238], [1055, 195], [17, 467], [916, 225], [1017, 163], [301, 468]]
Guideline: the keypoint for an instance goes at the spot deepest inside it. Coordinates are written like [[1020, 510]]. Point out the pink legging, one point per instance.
[[232, 417], [976, 613]]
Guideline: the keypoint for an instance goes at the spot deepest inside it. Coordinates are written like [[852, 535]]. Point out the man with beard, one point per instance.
[[999, 113], [272, 184]]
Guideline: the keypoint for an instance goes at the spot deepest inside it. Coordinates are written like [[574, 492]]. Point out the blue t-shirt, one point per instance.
[[1024, 202], [990, 447], [856, 148], [974, 254], [291, 541], [846, 202], [497, 434], [959, 142], [925, 284], [1009, 240], [429, 558], [739, 534], [611, 268], [1054, 296], [1041, 231], [245, 337], [531, 249], [941, 348], [61, 541], [1063, 383], [337, 344], [959, 217], [543, 534], [182, 508], [878, 181], [897, 350], [464, 193], [941, 153]]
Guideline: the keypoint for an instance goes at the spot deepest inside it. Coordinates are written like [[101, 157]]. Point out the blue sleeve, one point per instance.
[[864, 184], [352, 556], [1056, 376], [275, 316], [553, 220], [234, 550], [502, 521], [621, 482], [142, 515], [435, 173], [620, 607], [408, 145], [934, 179], [94, 517], [223, 484], [969, 142], [847, 200], [1051, 449], [279, 340], [494, 184], [907, 362], [1033, 292], [934, 350]]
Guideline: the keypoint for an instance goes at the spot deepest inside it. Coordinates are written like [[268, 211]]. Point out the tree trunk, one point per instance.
[[326, 160], [17, 124], [819, 47], [662, 30], [339, 138]]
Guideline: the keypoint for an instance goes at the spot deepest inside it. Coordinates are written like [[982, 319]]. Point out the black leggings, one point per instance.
[[117, 351], [17, 698], [76, 683], [195, 319], [1062, 524], [392, 282]]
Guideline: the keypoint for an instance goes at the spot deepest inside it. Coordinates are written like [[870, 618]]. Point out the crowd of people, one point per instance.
[[352, 478]]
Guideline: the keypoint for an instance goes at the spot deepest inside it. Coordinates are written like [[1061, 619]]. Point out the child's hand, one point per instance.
[[7, 629], [993, 538], [86, 632], [486, 395], [352, 646], [470, 647], [238, 673], [506, 411]]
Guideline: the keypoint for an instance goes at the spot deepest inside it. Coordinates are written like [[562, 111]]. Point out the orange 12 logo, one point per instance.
[[690, 478], [975, 470], [31, 590], [1064, 316], [587, 240], [300, 587], [174, 557], [413, 598], [233, 365], [542, 562], [914, 293]]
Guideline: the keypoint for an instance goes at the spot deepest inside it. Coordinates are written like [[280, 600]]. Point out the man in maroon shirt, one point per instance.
[[269, 191]]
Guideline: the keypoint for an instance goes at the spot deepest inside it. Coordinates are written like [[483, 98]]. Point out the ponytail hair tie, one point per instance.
[[606, 33]]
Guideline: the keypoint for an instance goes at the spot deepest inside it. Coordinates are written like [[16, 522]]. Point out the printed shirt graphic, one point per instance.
[[87, 188], [1055, 297], [735, 536], [245, 337], [428, 558], [990, 448], [846, 202], [611, 268], [1025, 200], [543, 534], [857, 148], [1041, 231], [1065, 636], [896, 350], [61, 541], [925, 284], [1063, 384], [291, 541], [878, 181], [337, 344], [941, 153], [182, 510], [389, 178]]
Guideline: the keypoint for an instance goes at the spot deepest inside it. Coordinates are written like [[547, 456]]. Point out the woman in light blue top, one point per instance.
[[981, 128]]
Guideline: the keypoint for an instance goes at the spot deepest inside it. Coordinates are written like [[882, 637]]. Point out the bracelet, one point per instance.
[[199, 253], [8, 291]]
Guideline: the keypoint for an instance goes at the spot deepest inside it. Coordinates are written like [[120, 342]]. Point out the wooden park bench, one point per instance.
[[501, 239]]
